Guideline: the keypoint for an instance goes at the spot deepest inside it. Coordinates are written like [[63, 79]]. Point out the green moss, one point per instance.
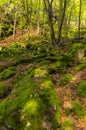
[[50, 98], [76, 47], [7, 73], [29, 103], [67, 125], [30, 46], [32, 114], [65, 80], [80, 65], [57, 67], [67, 60], [44, 63], [68, 111], [40, 72], [3, 89], [82, 89], [85, 119], [78, 109]]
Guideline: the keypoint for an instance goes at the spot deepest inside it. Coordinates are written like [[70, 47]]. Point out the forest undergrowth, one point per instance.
[[42, 87]]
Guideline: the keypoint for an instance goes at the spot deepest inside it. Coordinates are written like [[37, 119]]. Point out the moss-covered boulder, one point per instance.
[[77, 51], [3, 89], [33, 104], [7, 73]]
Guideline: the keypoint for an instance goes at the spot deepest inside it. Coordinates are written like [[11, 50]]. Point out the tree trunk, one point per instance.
[[14, 28], [61, 23], [79, 25], [0, 27], [48, 7]]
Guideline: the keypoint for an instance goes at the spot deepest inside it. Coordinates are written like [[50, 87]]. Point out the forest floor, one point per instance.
[[20, 60], [67, 94]]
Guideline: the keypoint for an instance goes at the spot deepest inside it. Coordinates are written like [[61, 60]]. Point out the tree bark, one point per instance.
[[79, 25], [48, 7], [14, 28], [61, 23]]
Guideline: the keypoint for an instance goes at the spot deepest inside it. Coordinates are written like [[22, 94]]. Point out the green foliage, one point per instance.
[[57, 67], [30, 46], [66, 79], [85, 119], [75, 48], [7, 73], [3, 89], [80, 65], [82, 89], [78, 109], [40, 72], [68, 111], [68, 60], [35, 100], [12, 51], [68, 124]]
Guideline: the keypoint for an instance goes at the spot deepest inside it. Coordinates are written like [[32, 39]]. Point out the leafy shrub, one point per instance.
[[65, 80], [82, 89], [81, 65]]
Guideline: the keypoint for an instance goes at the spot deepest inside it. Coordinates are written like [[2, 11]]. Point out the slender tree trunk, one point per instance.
[[38, 18], [14, 28], [61, 23], [68, 21], [22, 25], [79, 25], [0, 27], [48, 7]]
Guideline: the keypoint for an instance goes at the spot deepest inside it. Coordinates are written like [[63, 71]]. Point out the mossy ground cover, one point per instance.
[[82, 89], [68, 124], [7, 73], [78, 108], [66, 79], [3, 89], [33, 103]]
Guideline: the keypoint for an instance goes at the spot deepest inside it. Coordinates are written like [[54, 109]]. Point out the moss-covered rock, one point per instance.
[[40, 72], [7, 73], [3, 89], [57, 67], [32, 105]]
